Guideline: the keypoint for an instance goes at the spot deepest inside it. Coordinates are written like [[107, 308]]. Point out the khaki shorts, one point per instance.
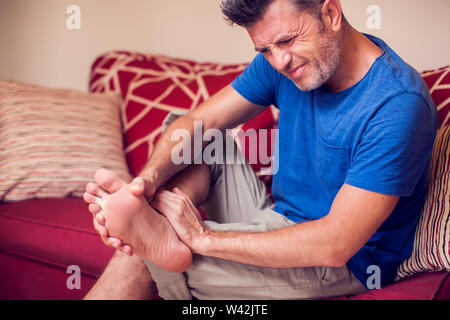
[[238, 201]]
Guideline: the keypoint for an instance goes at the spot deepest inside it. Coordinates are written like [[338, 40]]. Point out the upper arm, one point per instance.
[[355, 215], [395, 147]]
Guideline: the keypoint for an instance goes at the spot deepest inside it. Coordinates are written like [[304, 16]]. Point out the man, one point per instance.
[[356, 131]]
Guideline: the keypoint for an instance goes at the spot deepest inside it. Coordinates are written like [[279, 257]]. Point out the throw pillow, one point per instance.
[[438, 81], [154, 85], [431, 244], [53, 140]]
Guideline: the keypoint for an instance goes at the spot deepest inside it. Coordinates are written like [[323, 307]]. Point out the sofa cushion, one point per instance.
[[53, 231], [154, 85], [53, 140], [424, 286], [438, 81], [431, 243], [22, 278]]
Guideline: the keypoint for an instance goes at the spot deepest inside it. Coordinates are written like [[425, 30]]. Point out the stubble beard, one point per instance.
[[322, 66]]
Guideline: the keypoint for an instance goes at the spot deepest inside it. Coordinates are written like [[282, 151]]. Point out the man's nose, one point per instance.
[[281, 58]]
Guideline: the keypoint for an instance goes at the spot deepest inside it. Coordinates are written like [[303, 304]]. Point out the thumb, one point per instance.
[[137, 186]]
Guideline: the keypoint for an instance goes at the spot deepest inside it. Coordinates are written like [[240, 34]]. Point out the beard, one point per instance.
[[323, 64]]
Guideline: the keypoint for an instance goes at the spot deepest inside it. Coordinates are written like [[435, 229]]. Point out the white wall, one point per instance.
[[37, 47]]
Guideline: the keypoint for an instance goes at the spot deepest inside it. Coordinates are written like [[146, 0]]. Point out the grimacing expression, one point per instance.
[[297, 45]]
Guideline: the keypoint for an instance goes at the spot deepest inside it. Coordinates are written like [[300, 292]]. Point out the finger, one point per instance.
[[169, 196], [187, 201], [175, 204], [165, 208], [179, 192], [182, 194], [161, 206], [194, 209], [168, 193], [137, 186]]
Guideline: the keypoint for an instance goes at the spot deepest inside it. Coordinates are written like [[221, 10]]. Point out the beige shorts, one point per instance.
[[238, 201]]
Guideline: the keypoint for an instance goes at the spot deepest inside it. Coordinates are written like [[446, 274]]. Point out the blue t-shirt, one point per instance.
[[376, 135]]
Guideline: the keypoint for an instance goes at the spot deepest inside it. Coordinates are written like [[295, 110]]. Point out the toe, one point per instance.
[[108, 180], [101, 230], [94, 208], [114, 242], [127, 249], [90, 198], [100, 219], [94, 189]]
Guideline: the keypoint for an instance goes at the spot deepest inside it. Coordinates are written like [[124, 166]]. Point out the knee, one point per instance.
[[194, 181]]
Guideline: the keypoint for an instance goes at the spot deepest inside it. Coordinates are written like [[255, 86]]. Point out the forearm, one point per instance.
[[303, 245], [160, 167], [354, 217], [226, 109]]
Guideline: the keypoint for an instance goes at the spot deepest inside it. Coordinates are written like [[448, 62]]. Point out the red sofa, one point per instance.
[[41, 238]]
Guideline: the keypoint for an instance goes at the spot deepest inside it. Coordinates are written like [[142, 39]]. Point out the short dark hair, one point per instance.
[[246, 13]]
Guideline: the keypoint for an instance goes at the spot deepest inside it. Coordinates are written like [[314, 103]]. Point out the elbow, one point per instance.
[[338, 257], [337, 262]]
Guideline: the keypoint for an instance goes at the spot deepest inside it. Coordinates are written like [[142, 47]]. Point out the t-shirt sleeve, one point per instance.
[[395, 148], [258, 82]]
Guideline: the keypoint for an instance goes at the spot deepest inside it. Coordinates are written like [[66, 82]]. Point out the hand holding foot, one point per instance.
[[131, 219], [184, 218]]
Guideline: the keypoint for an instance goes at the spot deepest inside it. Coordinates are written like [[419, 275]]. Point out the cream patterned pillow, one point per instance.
[[431, 243], [53, 140]]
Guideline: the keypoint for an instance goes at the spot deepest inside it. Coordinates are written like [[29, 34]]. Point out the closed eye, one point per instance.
[[285, 42], [266, 51]]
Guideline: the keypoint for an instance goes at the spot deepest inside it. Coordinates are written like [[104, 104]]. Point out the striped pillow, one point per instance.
[[431, 243], [53, 140]]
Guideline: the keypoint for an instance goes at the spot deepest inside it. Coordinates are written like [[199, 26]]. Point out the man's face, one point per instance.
[[297, 44]]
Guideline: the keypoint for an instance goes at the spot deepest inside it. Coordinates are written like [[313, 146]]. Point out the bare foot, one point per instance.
[[132, 220]]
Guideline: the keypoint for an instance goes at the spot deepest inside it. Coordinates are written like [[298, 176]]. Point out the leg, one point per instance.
[[124, 278]]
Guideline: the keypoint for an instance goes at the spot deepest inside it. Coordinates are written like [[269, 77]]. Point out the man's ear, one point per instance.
[[332, 14]]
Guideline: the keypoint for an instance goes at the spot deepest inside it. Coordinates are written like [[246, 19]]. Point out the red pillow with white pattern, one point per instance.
[[438, 81], [153, 85]]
